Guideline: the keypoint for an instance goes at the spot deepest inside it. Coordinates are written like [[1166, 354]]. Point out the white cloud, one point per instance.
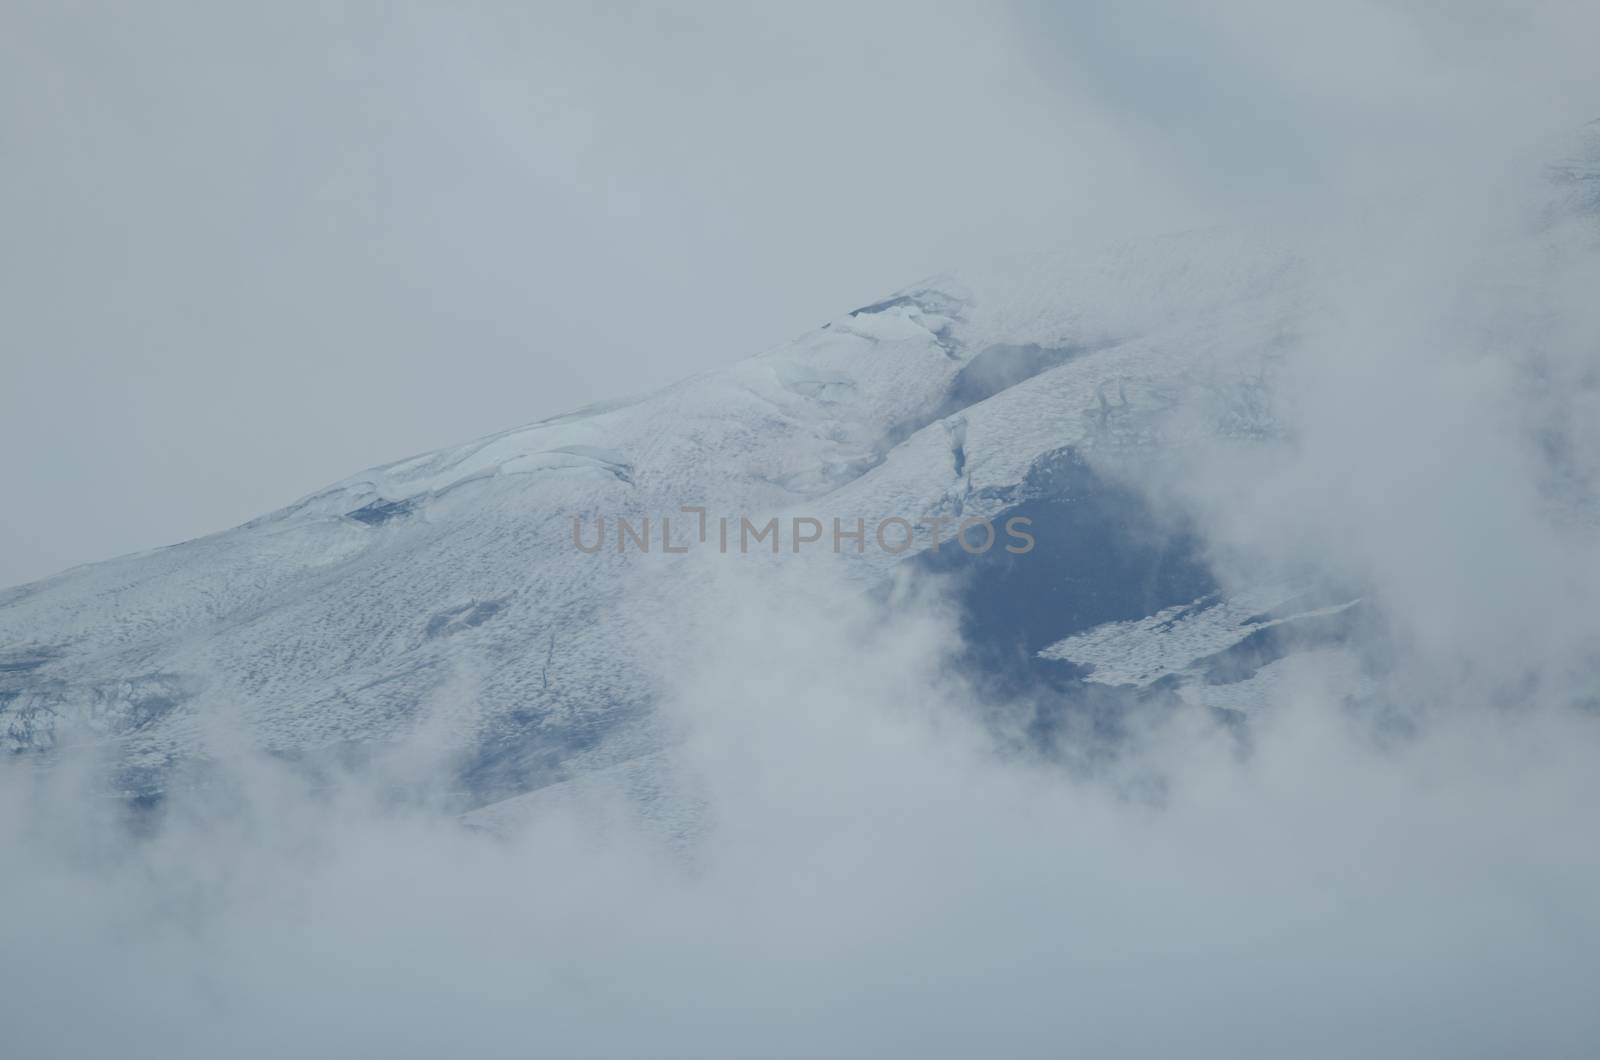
[[877, 873]]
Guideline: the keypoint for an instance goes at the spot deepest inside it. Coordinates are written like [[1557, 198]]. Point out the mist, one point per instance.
[[849, 847], [870, 868]]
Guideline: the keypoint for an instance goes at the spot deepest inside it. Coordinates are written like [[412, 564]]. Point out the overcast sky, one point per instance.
[[250, 249]]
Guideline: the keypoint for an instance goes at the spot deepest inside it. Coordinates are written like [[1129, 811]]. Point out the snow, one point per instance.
[[310, 626], [1171, 642]]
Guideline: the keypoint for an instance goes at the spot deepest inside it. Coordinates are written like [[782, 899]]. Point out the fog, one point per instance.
[[861, 859], [875, 871]]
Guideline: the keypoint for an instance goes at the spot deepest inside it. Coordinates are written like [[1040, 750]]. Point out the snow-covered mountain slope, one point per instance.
[[449, 586]]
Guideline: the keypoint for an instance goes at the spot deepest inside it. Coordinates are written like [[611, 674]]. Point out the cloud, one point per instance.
[[869, 866], [874, 874]]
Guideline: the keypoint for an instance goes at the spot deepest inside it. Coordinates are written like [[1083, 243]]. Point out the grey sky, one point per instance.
[[250, 249]]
